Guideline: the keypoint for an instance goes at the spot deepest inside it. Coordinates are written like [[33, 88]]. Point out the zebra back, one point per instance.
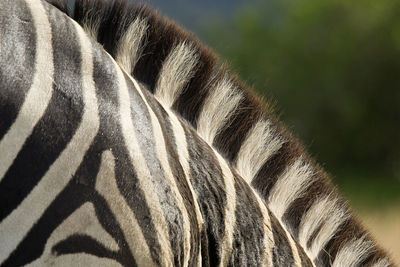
[[186, 76]]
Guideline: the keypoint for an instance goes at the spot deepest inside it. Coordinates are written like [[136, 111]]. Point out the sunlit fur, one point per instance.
[[218, 107], [354, 253], [252, 156], [175, 73], [130, 47]]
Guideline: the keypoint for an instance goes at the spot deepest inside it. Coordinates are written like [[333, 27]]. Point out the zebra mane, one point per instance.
[[187, 76]]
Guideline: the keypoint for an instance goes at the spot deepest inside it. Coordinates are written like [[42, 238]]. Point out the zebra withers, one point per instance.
[[186, 76], [95, 171], [152, 192]]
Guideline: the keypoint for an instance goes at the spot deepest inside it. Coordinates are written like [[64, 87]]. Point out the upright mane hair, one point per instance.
[[185, 75]]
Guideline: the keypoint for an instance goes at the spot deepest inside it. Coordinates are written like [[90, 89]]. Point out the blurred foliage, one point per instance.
[[333, 67], [366, 193]]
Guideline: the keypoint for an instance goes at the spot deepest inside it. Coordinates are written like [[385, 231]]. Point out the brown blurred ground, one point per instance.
[[385, 226]]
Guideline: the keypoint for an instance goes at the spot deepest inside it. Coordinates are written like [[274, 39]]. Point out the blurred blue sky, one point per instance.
[[192, 14]]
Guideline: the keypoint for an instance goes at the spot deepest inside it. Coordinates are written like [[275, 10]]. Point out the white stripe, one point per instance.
[[385, 262], [290, 185], [183, 153], [130, 46], [144, 176], [91, 25], [107, 187], [293, 247], [219, 106], [83, 259], [268, 239], [19, 222], [175, 73], [230, 218], [326, 214], [292, 244], [82, 221], [39, 94], [353, 252], [162, 156], [260, 144]]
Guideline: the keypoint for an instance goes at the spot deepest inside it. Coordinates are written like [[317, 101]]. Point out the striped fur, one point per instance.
[[101, 173], [228, 116]]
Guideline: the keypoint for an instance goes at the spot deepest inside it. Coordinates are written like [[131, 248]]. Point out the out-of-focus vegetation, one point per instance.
[[333, 67]]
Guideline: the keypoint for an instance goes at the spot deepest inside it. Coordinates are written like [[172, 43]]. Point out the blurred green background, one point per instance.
[[333, 68]]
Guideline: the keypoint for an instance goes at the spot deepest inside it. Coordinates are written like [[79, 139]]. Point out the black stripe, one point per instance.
[[282, 253], [248, 242], [191, 100], [305, 260], [314, 234], [300, 206], [230, 139], [209, 186], [79, 243], [274, 167], [57, 126], [17, 58], [205, 257], [159, 42]]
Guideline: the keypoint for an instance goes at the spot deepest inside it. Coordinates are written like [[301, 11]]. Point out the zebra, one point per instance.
[[195, 120], [95, 171], [186, 76]]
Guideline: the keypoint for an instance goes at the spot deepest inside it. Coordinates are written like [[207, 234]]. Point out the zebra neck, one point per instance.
[[187, 77]]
